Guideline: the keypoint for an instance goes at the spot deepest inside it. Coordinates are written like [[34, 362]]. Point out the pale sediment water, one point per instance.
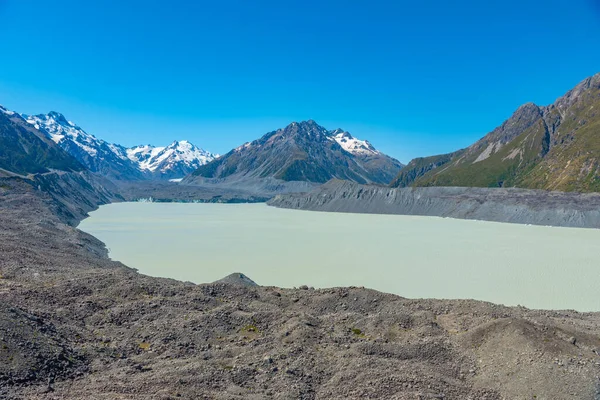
[[412, 256]]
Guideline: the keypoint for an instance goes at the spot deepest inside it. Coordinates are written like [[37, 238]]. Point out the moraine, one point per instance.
[[415, 257]]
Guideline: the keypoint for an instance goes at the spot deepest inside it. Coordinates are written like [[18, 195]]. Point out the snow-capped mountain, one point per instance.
[[352, 144], [116, 161], [173, 161], [96, 154], [302, 151], [25, 150]]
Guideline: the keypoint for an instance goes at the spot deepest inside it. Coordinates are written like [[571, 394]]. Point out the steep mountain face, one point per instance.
[[304, 152], [174, 161], [97, 155], [25, 150], [421, 166], [31, 161], [116, 161], [520, 206], [554, 148]]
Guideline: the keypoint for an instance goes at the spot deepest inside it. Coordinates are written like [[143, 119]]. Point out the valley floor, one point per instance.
[[74, 324]]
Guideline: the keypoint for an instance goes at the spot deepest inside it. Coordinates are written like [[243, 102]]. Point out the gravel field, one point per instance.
[[74, 324], [523, 206]]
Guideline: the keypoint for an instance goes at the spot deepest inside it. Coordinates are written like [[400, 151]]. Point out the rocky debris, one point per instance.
[[75, 325], [523, 206], [33, 352], [237, 279], [572, 340], [162, 191]]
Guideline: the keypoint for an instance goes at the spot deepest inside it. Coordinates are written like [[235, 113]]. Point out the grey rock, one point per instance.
[[299, 155], [237, 278], [524, 206]]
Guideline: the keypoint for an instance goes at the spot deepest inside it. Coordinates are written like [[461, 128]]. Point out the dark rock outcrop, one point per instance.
[[295, 158]]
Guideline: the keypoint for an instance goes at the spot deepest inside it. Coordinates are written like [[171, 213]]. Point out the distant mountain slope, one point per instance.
[[554, 148], [422, 165], [25, 150], [97, 155], [304, 152], [116, 161], [173, 161]]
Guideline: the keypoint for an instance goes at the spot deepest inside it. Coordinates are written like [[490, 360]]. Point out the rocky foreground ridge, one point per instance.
[[521, 206], [74, 324]]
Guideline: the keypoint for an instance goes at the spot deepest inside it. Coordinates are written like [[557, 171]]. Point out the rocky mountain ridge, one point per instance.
[[25, 150], [74, 324], [301, 152], [555, 147], [118, 162], [173, 161]]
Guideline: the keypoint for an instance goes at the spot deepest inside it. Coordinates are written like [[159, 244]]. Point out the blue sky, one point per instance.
[[413, 77]]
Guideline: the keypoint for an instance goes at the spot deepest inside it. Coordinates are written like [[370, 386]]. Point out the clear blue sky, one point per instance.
[[413, 77]]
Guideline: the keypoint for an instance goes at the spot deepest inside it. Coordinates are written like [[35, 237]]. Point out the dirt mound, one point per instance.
[[237, 279]]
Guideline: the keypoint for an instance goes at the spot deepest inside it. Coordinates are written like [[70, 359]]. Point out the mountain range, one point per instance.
[[301, 152], [25, 150], [294, 158], [555, 147], [115, 161]]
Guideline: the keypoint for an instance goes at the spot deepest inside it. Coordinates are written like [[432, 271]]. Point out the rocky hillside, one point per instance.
[[25, 150], [116, 161], [28, 156], [418, 167], [556, 147], [97, 155], [304, 152]]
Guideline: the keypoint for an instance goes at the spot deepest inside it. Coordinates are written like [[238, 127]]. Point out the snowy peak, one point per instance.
[[304, 152], [60, 131], [308, 128], [59, 118], [179, 154], [140, 162], [351, 144], [5, 111], [313, 132], [142, 154]]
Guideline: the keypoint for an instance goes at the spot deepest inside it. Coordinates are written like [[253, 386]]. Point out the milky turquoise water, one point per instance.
[[416, 257]]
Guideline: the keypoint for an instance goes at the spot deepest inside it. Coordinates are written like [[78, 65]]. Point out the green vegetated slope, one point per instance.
[[422, 165], [573, 162], [554, 148]]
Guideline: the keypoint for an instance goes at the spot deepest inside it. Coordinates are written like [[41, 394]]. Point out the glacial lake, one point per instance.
[[412, 256]]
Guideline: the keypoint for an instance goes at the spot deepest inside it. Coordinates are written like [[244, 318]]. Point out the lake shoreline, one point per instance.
[[506, 263], [520, 206], [89, 326]]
